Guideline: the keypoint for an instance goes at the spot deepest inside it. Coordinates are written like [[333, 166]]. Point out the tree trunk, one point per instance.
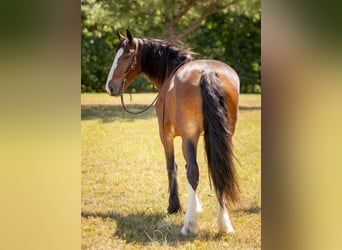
[[173, 16]]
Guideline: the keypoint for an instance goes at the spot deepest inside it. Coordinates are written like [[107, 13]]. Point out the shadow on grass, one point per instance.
[[249, 107], [248, 210], [109, 113], [153, 228]]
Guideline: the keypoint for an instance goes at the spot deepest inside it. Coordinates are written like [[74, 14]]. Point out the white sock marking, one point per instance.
[[112, 69], [223, 221], [199, 208], [190, 220]]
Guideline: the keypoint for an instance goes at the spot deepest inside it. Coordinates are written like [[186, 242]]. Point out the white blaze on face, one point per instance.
[[112, 70]]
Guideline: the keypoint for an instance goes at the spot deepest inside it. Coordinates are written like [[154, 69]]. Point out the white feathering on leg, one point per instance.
[[190, 220], [223, 221], [199, 208]]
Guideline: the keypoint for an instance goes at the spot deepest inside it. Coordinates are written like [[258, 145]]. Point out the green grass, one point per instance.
[[124, 181]]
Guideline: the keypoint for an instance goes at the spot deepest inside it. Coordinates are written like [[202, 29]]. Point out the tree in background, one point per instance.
[[224, 30], [235, 39]]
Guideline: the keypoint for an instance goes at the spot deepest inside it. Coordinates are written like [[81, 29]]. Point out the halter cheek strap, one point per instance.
[[132, 67]]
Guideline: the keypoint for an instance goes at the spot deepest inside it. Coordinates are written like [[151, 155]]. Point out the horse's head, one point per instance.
[[124, 68]]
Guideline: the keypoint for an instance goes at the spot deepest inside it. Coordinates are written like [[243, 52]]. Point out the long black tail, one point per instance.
[[218, 140]]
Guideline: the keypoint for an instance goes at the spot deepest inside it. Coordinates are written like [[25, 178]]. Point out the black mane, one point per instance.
[[160, 58]]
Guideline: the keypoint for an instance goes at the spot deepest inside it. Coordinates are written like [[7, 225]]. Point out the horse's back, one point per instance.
[[192, 71], [185, 99]]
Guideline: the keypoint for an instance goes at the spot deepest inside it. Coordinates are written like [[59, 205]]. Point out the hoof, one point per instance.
[[174, 210], [226, 231], [225, 228], [192, 228]]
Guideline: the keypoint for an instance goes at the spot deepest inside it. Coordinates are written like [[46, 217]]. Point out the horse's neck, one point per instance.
[[153, 78]]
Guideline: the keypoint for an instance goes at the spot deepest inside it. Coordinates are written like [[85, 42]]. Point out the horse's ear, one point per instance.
[[120, 36], [129, 36]]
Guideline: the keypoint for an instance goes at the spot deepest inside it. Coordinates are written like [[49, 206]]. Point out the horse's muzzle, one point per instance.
[[114, 89]]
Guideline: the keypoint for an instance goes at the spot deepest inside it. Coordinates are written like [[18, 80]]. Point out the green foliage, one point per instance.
[[231, 35], [235, 39]]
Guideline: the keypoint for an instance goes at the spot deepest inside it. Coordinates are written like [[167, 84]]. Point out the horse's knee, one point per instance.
[[192, 174]]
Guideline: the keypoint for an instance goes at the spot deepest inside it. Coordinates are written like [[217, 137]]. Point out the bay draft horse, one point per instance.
[[196, 97]]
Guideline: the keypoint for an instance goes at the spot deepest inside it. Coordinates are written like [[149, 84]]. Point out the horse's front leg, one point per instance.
[[174, 204]]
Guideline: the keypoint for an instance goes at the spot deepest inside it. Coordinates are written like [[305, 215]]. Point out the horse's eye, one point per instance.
[[126, 57]]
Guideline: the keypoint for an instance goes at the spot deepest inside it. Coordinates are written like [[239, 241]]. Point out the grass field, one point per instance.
[[124, 181]]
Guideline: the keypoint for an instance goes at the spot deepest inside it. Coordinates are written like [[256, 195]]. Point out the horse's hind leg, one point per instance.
[[174, 204], [192, 173], [223, 221]]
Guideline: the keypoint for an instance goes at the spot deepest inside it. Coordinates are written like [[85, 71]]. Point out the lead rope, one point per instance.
[[141, 111]]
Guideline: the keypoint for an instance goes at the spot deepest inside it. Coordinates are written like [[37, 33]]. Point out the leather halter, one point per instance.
[[124, 79], [131, 67]]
